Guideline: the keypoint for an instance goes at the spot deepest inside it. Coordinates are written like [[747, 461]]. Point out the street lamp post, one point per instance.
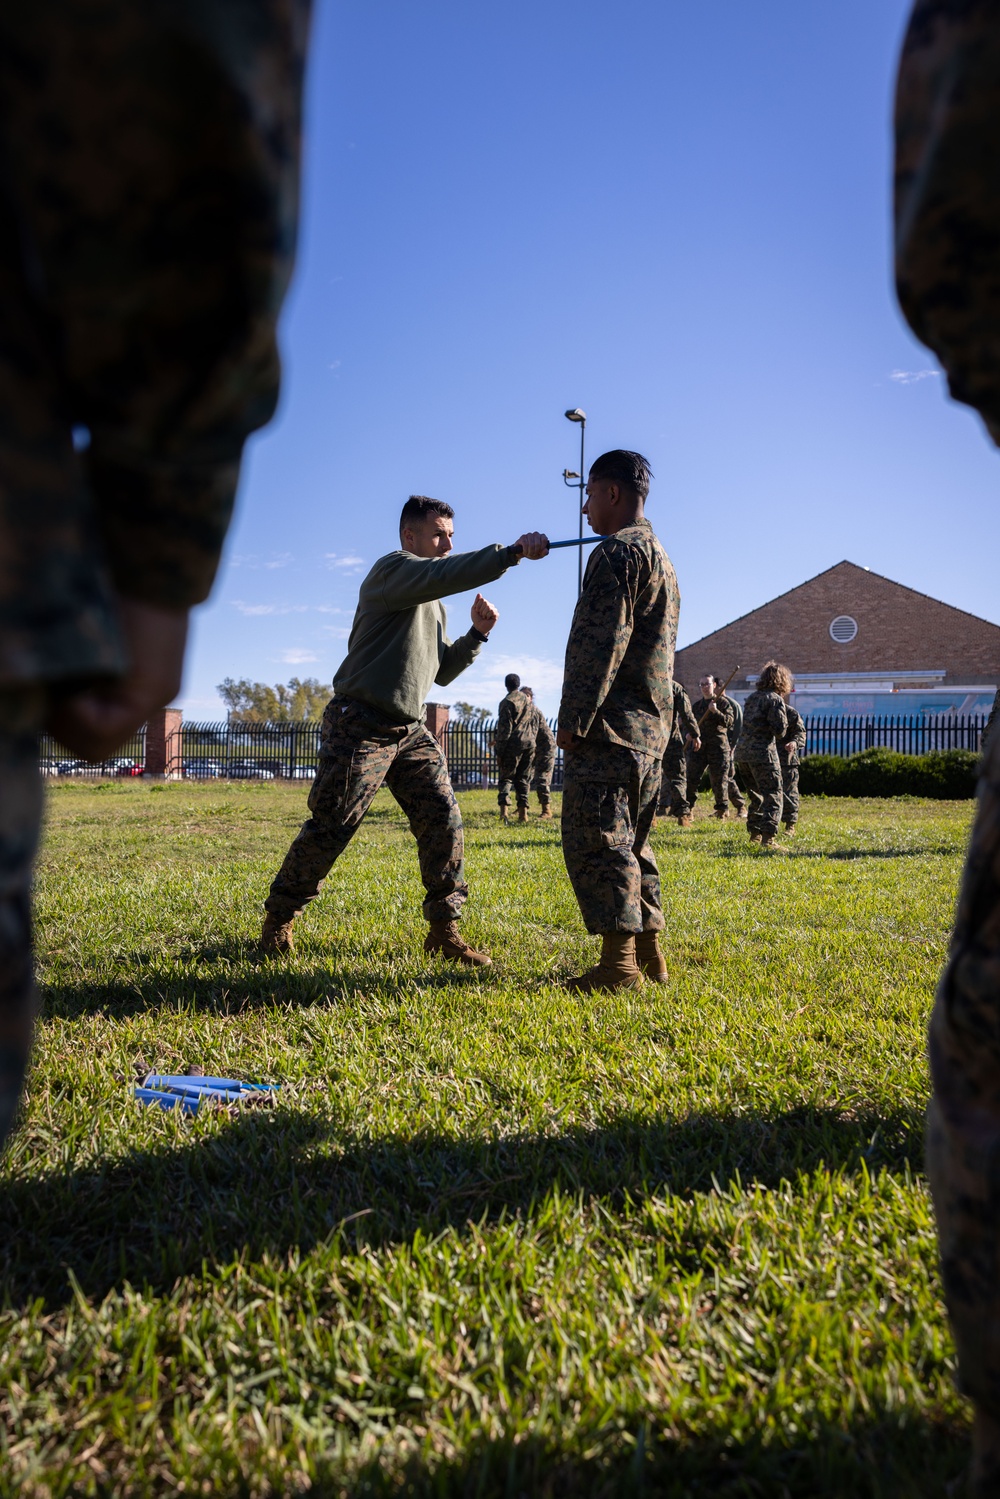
[[578, 481]]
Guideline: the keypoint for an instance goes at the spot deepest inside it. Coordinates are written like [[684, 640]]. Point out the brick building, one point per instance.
[[857, 643]]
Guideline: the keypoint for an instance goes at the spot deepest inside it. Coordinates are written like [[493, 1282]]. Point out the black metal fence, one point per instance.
[[289, 751]]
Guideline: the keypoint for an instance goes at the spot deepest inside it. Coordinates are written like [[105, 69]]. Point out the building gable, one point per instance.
[[882, 629]]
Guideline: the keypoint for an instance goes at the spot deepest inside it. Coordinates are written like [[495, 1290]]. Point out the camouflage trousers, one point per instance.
[[359, 752], [514, 771], [718, 758], [609, 803], [762, 779], [542, 766], [21, 713], [735, 794], [789, 791], [673, 781], [963, 1121]]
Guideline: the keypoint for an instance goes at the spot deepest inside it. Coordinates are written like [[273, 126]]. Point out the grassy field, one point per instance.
[[490, 1239]]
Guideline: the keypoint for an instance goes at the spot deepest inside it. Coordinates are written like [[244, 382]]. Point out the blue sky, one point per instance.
[[675, 216]]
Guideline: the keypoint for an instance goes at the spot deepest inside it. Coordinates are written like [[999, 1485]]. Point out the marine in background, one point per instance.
[[765, 725], [715, 717], [789, 754], [736, 797], [614, 724], [515, 747], [543, 762], [673, 783]]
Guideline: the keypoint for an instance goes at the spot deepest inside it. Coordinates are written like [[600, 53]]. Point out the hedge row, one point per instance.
[[949, 775]]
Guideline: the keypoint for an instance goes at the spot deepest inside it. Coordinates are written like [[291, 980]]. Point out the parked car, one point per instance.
[[201, 768], [247, 770], [303, 772], [120, 766], [70, 767]]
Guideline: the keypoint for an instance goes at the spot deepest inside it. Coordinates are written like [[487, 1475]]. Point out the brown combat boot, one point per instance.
[[546, 813], [741, 813], [649, 957], [617, 968], [276, 936], [686, 821], [522, 814], [768, 846], [503, 815], [789, 830], [721, 813], [754, 837], [445, 938]]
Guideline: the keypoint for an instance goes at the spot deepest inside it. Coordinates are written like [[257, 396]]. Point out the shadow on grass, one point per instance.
[[731, 851], [884, 1456], [268, 1182]]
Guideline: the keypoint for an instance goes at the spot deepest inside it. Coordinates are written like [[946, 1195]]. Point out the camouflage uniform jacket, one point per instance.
[[736, 727], [796, 730], [715, 718], [765, 721], [618, 684], [684, 722], [990, 725], [515, 722], [545, 740], [149, 202]]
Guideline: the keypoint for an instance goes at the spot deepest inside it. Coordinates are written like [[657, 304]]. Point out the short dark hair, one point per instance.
[[715, 677], [512, 681], [419, 506], [528, 691], [621, 466]]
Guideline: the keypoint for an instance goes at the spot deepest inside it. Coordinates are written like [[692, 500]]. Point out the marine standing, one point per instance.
[[373, 730], [765, 725], [614, 723], [515, 747], [543, 763], [673, 781], [947, 211], [789, 751], [715, 717], [149, 202], [736, 798]]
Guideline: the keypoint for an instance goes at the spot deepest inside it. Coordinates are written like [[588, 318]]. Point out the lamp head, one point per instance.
[[576, 415]]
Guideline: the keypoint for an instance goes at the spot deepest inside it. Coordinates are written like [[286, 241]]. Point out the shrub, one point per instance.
[[949, 775]]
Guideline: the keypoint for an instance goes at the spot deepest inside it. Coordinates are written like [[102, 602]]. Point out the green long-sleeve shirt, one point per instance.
[[399, 645]]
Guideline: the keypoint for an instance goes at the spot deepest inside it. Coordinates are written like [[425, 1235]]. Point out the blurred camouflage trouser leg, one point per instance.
[[963, 1121], [514, 771], [541, 777], [358, 752], [716, 758], [762, 779], [609, 803], [790, 794], [21, 713], [673, 782], [735, 794]]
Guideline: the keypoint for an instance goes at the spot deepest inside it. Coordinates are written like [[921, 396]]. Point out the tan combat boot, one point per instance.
[[649, 957], [721, 813], [617, 968], [741, 813], [445, 938], [768, 846], [754, 837], [276, 936], [686, 821], [522, 814], [789, 830], [503, 815], [546, 813]]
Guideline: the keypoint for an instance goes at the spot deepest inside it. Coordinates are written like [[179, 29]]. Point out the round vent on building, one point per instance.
[[843, 629]]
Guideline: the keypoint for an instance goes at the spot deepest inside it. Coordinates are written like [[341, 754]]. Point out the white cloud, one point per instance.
[[910, 377], [328, 609], [296, 657], [336, 632], [483, 686], [280, 559], [347, 562], [255, 609]]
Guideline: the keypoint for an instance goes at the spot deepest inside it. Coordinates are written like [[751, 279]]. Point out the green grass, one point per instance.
[[490, 1239]]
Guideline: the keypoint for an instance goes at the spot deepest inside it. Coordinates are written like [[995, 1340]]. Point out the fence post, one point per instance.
[[437, 723], [164, 735]]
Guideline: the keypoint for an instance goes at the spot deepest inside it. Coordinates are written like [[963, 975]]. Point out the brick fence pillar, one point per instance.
[[163, 744], [437, 722]]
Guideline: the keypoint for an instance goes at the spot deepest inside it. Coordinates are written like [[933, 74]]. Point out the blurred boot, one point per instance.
[[617, 968], [649, 957]]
